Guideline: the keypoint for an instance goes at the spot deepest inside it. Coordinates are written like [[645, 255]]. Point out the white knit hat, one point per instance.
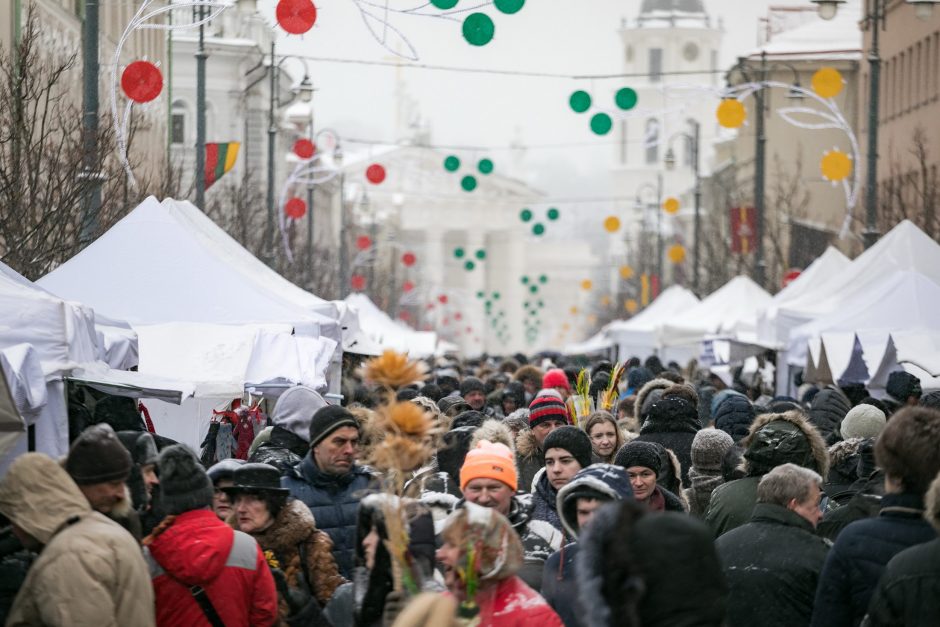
[[863, 421]]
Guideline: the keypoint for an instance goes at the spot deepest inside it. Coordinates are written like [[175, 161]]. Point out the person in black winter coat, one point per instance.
[[772, 563], [827, 411], [643, 463], [567, 451], [908, 593], [907, 452], [734, 415], [673, 422]]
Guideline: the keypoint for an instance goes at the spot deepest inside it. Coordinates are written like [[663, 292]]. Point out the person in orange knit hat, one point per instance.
[[488, 478]]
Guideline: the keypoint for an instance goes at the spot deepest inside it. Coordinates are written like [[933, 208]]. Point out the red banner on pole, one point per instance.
[[743, 229]]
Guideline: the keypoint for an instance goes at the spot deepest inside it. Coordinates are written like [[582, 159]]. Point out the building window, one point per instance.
[[178, 123], [656, 65], [652, 141]]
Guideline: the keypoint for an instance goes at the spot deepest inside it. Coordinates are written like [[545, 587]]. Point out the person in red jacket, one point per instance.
[[204, 572], [481, 554]]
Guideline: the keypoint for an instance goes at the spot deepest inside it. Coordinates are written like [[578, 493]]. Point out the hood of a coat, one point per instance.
[[734, 415], [195, 548], [843, 461], [295, 408], [599, 481], [829, 408], [544, 488], [776, 439], [293, 525], [40, 497], [643, 396], [671, 415]]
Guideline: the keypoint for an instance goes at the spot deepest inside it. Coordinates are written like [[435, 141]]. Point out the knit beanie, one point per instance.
[[547, 407], [708, 449], [471, 384], [184, 484], [571, 439], [556, 378], [931, 400], [863, 421], [140, 445], [489, 460], [637, 453], [327, 420], [902, 385], [295, 408], [97, 456]]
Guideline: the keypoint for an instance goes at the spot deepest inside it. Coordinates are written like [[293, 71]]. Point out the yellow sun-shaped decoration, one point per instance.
[[835, 166], [586, 285], [676, 253], [731, 113], [612, 224], [626, 273], [631, 306], [827, 82], [671, 205]]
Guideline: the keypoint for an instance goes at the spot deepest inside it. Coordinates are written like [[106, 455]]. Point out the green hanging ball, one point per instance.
[[481, 254], [458, 253], [495, 295], [509, 6], [478, 29], [580, 101], [541, 304], [480, 294], [485, 166], [534, 289], [543, 279], [601, 124], [626, 98], [525, 280], [538, 229], [525, 215], [445, 4], [553, 214], [468, 183], [451, 163], [488, 304], [469, 265]]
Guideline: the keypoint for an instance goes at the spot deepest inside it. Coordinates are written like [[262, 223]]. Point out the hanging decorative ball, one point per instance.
[[631, 306], [407, 286], [429, 306], [525, 215], [458, 316], [509, 6], [543, 279], [296, 16], [408, 259], [295, 208], [676, 253], [534, 289], [731, 113], [541, 304], [480, 254], [481, 294], [553, 214], [469, 330], [496, 295], [469, 265], [525, 280], [827, 82], [444, 4], [835, 166], [587, 284], [404, 315], [445, 321], [605, 301], [358, 282], [451, 163], [142, 81], [580, 101], [574, 310], [304, 148], [442, 299], [538, 229], [626, 273], [601, 124], [485, 166], [566, 326], [612, 224], [375, 173], [478, 29], [363, 242], [468, 183], [671, 205], [626, 98]]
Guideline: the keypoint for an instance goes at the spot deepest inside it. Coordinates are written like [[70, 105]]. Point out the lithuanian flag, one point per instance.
[[220, 158]]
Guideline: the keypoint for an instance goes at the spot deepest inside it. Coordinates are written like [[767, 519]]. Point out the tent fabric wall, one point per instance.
[[637, 336]]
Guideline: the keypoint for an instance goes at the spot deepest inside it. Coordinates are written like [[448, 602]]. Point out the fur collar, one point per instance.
[[293, 525], [799, 420], [645, 391]]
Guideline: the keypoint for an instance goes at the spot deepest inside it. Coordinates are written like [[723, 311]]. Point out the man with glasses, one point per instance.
[[330, 482]]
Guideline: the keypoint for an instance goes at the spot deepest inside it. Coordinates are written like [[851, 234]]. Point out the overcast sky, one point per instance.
[[490, 110]]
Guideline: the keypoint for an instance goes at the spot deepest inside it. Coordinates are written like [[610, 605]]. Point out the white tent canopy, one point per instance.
[[597, 343], [389, 334], [637, 336]]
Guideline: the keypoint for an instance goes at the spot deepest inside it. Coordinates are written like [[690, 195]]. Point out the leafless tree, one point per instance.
[[912, 189]]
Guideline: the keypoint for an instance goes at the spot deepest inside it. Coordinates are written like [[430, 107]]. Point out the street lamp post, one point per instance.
[[874, 18], [694, 139], [201, 56], [343, 223], [658, 190]]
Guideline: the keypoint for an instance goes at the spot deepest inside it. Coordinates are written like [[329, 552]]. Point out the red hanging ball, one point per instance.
[[296, 16], [469, 330], [358, 282], [404, 315], [458, 316], [429, 306], [445, 321], [304, 148], [142, 81], [442, 299], [409, 259], [295, 208], [363, 242], [407, 286], [375, 173]]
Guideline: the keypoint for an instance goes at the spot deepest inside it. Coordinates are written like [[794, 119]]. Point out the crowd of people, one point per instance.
[[679, 498]]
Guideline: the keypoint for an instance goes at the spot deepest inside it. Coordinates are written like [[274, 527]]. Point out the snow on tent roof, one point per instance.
[[672, 301]]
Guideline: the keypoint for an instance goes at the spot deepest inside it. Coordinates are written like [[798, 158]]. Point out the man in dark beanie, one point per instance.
[[204, 572], [903, 390], [330, 482], [566, 451], [143, 479], [547, 412], [100, 465], [473, 391]]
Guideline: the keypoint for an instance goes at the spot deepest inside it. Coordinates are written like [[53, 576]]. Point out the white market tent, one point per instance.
[[597, 343], [771, 331], [389, 334], [730, 312], [638, 335]]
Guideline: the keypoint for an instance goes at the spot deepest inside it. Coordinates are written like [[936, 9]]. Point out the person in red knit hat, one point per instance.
[[556, 379]]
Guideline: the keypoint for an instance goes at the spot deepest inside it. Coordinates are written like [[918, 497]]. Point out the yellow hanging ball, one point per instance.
[[631, 306], [592, 319], [574, 311], [566, 326], [671, 205], [586, 285], [827, 82], [731, 113], [605, 301], [626, 273], [612, 224], [676, 253], [835, 166]]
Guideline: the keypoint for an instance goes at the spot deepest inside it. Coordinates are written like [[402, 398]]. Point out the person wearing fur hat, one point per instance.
[[709, 447], [638, 568], [330, 482], [567, 450], [908, 593], [547, 412], [306, 575], [773, 440], [285, 444], [481, 556], [606, 436], [906, 450], [643, 464], [577, 501], [89, 570], [203, 571], [651, 392], [531, 379]]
